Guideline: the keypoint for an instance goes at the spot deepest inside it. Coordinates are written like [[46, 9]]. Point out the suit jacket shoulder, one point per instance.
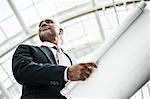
[[31, 67]]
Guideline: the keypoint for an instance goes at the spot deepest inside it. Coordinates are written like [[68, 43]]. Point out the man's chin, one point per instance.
[[46, 31], [49, 32]]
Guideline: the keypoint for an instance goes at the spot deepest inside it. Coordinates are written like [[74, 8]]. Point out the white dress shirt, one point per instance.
[[59, 55]]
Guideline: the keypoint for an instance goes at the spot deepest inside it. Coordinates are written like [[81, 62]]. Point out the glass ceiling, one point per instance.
[[87, 24]]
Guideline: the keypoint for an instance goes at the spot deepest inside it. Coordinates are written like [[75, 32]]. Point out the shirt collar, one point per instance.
[[48, 44]]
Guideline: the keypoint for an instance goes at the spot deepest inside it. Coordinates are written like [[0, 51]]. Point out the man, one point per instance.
[[43, 71]]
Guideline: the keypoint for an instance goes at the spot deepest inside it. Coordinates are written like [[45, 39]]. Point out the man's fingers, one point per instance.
[[80, 71], [86, 72], [91, 64], [84, 76], [89, 72]]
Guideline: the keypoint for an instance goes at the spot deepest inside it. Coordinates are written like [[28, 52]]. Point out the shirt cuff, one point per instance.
[[65, 74]]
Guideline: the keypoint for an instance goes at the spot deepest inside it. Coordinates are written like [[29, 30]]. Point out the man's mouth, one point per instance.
[[46, 29]]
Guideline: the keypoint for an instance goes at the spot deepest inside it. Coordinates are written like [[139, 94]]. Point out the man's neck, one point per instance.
[[54, 41]]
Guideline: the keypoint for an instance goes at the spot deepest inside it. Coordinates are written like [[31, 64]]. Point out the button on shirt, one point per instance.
[[60, 57]]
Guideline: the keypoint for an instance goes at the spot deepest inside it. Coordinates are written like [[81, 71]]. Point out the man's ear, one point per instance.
[[61, 31]]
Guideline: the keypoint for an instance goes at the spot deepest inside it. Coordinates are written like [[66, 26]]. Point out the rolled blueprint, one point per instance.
[[123, 61]]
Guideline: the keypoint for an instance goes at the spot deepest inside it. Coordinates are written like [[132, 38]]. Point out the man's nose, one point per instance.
[[44, 24]]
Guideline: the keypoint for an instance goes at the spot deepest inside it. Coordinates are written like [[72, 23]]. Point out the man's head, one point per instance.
[[49, 31]]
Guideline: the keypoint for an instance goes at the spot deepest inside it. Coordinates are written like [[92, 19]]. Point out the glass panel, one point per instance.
[[13, 79], [74, 31], [7, 83], [52, 6], [30, 16], [71, 28], [45, 10], [108, 18], [78, 42], [122, 13], [108, 21], [7, 55], [109, 33], [17, 38], [3, 74], [14, 92], [2, 37], [63, 4], [130, 7], [5, 10], [100, 2], [11, 26], [79, 2], [21, 4], [85, 26], [7, 66], [37, 40], [91, 29]]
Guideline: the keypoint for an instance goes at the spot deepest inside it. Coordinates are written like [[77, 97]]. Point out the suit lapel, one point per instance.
[[49, 54], [68, 57]]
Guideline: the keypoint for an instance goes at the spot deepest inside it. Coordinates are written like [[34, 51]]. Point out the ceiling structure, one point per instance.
[[86, 23]]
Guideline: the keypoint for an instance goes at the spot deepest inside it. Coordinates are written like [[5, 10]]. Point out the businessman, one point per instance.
[[43, 71]]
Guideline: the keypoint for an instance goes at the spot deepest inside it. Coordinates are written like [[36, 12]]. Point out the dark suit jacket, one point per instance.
[[35, 68]]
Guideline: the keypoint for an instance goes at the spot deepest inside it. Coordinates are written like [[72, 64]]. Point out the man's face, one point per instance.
[[48, 26]]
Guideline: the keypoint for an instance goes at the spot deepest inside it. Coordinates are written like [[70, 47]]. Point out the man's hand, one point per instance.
[[80, 71]]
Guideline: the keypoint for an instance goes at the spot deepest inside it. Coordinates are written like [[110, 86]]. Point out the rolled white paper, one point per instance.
[[123, 61]]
